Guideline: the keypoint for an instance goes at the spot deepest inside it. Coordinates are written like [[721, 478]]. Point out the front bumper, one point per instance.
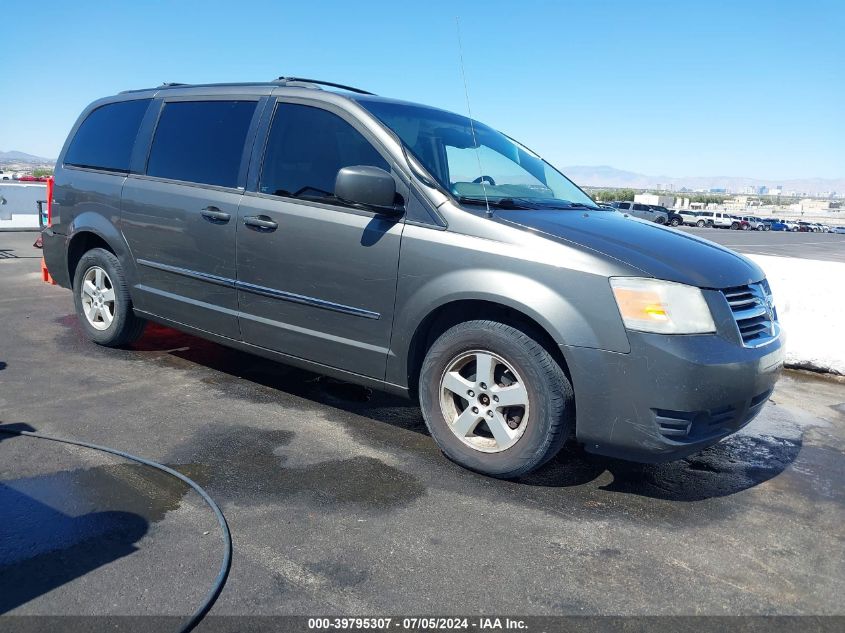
[[670, 396]]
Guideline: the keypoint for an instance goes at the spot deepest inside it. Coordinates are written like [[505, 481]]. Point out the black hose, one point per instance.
[[220, 581]]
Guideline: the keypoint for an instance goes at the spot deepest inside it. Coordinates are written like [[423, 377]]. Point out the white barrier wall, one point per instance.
[[810, 300], [18, 208]]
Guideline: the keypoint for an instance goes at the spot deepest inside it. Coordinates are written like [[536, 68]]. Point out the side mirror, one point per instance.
[[363, 184]]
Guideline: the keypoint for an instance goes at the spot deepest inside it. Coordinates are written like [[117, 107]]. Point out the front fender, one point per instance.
[[574, 306]]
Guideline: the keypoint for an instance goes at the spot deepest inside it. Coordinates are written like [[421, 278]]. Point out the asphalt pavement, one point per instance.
[[820, 246], [340, 503]]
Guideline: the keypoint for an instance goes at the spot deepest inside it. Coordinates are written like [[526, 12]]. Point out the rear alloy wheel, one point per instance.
[[102, 300], [701, 224], [675, 222], [97, 293], [494, 399]]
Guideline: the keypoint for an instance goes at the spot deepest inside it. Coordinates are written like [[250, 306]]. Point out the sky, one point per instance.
[[678, 88]]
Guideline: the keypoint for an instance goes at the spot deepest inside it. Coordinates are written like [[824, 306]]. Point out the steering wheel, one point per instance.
[[487, 179]]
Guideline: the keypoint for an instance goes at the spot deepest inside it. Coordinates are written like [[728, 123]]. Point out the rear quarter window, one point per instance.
[[107, 135]]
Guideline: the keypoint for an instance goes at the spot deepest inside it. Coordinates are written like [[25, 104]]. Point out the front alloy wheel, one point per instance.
[[495, 399], [484, 401]]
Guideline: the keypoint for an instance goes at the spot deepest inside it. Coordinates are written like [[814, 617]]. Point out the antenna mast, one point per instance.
[[471, 124]]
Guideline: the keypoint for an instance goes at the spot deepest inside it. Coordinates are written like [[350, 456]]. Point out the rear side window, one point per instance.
[[306, 148], [201, 141], [106, 137]]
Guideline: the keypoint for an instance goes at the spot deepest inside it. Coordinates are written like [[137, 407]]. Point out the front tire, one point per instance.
[[494, 399], [701, 224], [675, 222], [103, 305]]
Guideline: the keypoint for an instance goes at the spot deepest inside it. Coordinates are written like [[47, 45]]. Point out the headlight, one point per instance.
[[663, 307]]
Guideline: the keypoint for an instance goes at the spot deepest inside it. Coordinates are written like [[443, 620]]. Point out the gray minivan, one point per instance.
[[413, 250]]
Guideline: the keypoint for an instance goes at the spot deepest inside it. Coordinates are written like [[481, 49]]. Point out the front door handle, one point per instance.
[[215, 215], [260, 223]]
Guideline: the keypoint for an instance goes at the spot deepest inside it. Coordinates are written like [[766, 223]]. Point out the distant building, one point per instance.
[[718, 190], [655, 199], [811, 204], [737, 203]]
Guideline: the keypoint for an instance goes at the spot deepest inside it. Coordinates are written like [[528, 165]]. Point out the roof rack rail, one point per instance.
[[170, 84], [285, 80]]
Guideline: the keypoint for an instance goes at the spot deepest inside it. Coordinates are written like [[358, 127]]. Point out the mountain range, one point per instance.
[[606, 176], [23, 157]]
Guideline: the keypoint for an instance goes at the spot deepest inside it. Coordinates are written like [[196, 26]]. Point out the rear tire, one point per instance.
[[701, 224], [675, 222], [103, 304], [468, 372]]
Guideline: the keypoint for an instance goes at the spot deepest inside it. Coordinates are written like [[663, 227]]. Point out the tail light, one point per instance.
[[50, 201]]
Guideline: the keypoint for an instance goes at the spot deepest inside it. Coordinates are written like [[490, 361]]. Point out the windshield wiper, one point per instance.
[[496, 203], [526, 203], [565, 204]]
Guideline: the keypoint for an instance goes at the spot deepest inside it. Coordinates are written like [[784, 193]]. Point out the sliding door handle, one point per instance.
[[260, 223], [215, 215]]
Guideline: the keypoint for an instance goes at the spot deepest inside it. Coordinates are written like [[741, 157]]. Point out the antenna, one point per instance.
[[471, 124]]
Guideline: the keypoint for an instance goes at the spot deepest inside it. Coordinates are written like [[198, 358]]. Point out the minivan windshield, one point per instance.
[[473, 161]]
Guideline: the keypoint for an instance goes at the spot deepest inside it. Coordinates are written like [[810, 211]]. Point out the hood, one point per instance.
[[655, 250]]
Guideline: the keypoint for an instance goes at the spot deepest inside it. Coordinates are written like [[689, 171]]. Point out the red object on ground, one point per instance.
[[45, 274], [50, 201]]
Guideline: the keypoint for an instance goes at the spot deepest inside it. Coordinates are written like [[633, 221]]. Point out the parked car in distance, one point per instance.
[[689, 218], [673, 217], [738, 224], [806, 227], [792, 224], [838, 229], [774, 224], [642, 211], [356, 236], [755, 223], [714, 219]]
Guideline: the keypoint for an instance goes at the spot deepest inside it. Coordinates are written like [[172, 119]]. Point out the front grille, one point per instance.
[[754, 312]]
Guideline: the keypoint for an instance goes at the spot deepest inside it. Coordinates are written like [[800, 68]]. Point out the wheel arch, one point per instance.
[[458, 311], [92, 230]]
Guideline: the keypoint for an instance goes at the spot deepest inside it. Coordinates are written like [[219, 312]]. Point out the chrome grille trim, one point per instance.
[[754, 313]]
